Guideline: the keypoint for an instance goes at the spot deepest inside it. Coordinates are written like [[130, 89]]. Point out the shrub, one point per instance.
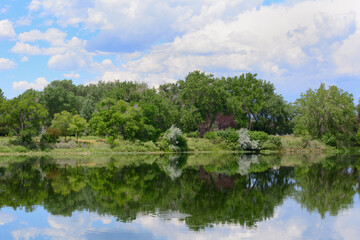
[[275, 140], [245, 142], [210, 135], [330, 139], [51, 135], [174, 140], [259, 135], [229, 135], [192, 134]]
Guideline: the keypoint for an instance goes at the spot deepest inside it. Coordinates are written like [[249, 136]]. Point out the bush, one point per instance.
[[210, 135], [229, 135], [193, 134], [173, 140], [330, 139], [51, 135], [275, 140], [269, 145], [20, 149], [245, 142], [259, 136]]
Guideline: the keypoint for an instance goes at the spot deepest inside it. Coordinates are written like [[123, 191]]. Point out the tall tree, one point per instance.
[[204, 93], [61, 96], [247, 97], [326, 113], [62, 122], [25, 115]]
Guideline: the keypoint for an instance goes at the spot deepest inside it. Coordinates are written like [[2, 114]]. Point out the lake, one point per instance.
[[196, 196]]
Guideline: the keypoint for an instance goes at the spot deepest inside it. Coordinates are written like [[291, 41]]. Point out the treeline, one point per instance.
[[198, 104]]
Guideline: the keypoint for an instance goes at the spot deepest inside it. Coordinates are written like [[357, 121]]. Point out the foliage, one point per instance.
[[210, 135], [51, 135], [114, 118], [174, 140], [24, 116], [258, 136], [329, 112], [77, 126], [62, 122], [245, 142], [229, 134]]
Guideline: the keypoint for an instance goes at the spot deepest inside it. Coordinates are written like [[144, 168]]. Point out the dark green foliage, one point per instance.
[[229, 135]]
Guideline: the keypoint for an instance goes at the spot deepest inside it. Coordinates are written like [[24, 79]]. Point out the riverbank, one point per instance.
[[95, 145]]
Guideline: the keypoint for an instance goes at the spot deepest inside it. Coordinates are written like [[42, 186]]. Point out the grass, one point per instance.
[[96, 145]]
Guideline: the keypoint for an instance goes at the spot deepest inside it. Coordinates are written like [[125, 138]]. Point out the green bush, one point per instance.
[[275, 140], [173, 140], [20, 149], [268, 146], [259, 136], [192, 134], [330, 139], [229, 135], [51, 135], [210, 135]]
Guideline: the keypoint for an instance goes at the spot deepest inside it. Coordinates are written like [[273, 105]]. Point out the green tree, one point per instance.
[[25, 116], [62, 122], [325, 114], [77, 126], [61, 96], [204, 94], [114, 118], [247, 97]]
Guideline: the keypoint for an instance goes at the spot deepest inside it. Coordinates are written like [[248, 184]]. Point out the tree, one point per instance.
[[203, 94], [25, 116], [326, 113], [114, 118], [61, 96], [247, 97], [62, 122], [77, 126]]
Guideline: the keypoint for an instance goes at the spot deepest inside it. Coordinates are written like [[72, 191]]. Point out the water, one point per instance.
[[208, 196]]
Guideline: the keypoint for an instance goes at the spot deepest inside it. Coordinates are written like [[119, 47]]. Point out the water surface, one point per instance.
[[208, 196]]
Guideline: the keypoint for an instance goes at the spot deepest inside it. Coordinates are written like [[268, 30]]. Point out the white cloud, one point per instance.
[[6, 218], [52, 35], [38, 84], [6, 64], [71, 75], [25, 48], [24, 59], [6, 30]]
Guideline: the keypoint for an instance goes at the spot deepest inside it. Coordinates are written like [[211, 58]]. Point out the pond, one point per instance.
[[204, 196]]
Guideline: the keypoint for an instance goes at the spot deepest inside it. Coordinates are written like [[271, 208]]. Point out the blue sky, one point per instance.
[[295, 44]]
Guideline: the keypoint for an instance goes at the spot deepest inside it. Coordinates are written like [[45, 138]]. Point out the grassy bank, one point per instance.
[[95, 145]]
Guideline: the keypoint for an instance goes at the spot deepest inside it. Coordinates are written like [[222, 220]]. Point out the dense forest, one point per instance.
[[198, 105]]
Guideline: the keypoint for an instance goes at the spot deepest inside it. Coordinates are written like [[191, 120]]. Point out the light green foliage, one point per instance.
[[24, 116], [115, 118], [245, 142], [326, 112], [210, 135], [77, 126], [259, 136], [174, 140], [62, 122]]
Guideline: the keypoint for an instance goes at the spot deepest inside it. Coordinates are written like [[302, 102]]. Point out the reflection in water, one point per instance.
[[193, 191]]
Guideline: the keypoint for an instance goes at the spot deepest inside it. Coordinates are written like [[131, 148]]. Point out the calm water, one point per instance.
[[180, 197]]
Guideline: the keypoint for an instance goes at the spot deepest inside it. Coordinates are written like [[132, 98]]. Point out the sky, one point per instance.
[[295, 44]]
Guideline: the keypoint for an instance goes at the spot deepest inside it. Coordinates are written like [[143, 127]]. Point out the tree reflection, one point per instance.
[[240, 190]]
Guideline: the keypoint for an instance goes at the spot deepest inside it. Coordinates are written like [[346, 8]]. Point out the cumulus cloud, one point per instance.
[[38, 84], [6, 64], [71, 75], [297, 42], [6, 30]]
